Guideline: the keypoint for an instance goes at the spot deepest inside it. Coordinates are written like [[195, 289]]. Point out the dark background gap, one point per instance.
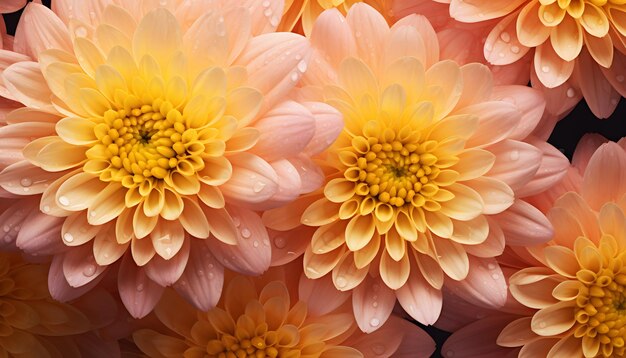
[[565, 136]]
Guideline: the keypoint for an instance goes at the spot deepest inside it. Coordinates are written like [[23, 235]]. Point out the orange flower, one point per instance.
[[276, 316]]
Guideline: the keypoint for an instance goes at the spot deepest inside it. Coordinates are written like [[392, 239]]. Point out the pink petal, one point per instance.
[[311, 175], [166, 272], [12, 220], [328, 125], [26, 84], [424, 27], [484, 285], [193, 284], [553, 167], [479, 339], [419, 299], [290, 124], [42, 236], [524, 225], [516, 162], [586, 147], [494, 244], [372, 302], [502, 46], [138, 293], [415, 342], [40, 29], [264, 19], [605, 176], [601, 97], [331, 25], [497, 120], [310, 291], [383, 342], [289, 245], [370, 30], [267, 72], [80, 267], [289, 185], [253, 180], [60, 290], [252, 253], [529, 101]]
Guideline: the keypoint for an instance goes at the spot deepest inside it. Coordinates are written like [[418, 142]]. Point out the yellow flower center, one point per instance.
[[144, 144], [232, 347], [396, 172], [601, 308]]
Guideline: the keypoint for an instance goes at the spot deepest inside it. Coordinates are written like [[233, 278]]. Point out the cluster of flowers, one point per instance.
[[301, 178]]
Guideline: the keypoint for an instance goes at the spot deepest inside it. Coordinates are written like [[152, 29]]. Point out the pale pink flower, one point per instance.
[[570, 289], [423, 186], [281, 314], [578, 47], [149, 137]]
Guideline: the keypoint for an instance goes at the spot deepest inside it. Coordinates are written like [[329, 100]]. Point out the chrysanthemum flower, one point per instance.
[[277, 318], [581, 41], [305, 12], [150, 130], [571, 289], [32, 324], [423, 184]]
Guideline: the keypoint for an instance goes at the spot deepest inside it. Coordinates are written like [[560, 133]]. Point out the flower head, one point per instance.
[[575, 44], [277, 319], [578, 288], [155, 138], [421, 183], [33, 324]]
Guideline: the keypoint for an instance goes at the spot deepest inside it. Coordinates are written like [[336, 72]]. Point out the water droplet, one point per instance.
[[92, 214], [294, 76], [210, 266], [274, 20], [374, 322], [514, 155], [491, 266], [236, 221], [168, 251], [378, 349], [80, 31], [200, 272], [495, 276], [63, 200], [266, 3], [68, 237], [515, 49], [341, 282], [280, 242], [571, 93], [619, 78], [211, 275], [89, 271], [255, 243], [245, 233], [6, 228], [26, 182], [545, 69], [374, 304], [505, 37], [302, 66], [266, 242], [542, 324], [258, 186], [140, 287], [267, 12]]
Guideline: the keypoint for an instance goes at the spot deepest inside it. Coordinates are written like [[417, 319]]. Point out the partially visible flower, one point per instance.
[[274, 316], [423, 186], [303, 13], [32, 324], [579, 47], [572, 288], [149, 136]]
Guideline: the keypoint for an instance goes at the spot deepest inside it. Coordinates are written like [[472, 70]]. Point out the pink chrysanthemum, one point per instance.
[[150, 131], [579, 47], [277, 316], [568, 292], [423, 185]]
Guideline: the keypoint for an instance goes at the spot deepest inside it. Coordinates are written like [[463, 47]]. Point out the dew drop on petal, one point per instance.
[[341, 282], [515, 49], [6, 228], [619, 78], [140, 287], [302, 66], [374, 322], [68, 237], [280, 242], [63, 200], [514, 155], [245, 233], [258, 187], [26, 182], [89, 271], [571, 93], [545, 69], [505, 36], [255, 243]]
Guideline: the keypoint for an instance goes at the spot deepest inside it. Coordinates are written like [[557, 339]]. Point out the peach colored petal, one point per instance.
[[167, 272], [40, 29], [597, 90], [604, 178], [419, 299], [138, 293], [371, 312]]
